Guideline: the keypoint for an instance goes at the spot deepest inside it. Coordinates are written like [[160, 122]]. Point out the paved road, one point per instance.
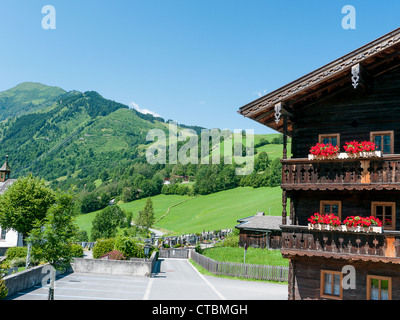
[[176, 279]]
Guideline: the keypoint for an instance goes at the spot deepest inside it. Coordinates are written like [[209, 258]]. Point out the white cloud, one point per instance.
[[134, 105], [261, 93]]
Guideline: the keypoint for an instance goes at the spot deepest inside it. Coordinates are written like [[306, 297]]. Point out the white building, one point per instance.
[[8, 238]]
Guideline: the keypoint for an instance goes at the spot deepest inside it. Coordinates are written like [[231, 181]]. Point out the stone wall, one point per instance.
[[25, 279], [133, 267], [28, 278]]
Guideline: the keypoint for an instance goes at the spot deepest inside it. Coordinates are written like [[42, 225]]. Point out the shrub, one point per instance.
[[77, 250], [16, 252], [83, 236], [3, 289], [198, 249], [18, 262], [129, 247], [102, 247], [232, 240]]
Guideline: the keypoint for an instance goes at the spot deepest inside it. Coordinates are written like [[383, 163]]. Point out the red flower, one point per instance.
[[356, 147], [321, 149], [327, 219]]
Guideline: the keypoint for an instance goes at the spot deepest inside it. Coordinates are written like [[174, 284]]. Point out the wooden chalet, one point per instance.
[[356, 97], [260, 231]]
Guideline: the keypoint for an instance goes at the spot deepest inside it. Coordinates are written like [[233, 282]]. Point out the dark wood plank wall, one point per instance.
[[260, 239], [307, 277], [352, 113], [353, 202]]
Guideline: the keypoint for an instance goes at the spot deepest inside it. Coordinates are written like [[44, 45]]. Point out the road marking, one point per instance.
[[93, 290], [206, 281], [65, 296], [148, 289], [102, 284]]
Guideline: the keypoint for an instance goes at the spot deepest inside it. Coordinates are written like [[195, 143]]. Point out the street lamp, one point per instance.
[[146, 250]]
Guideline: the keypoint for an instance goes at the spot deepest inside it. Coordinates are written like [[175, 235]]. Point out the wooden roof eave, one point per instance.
[[262, 109]]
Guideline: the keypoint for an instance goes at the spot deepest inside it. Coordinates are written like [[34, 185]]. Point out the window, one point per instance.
[[334, 139], [3, 234], [386, 212], [379, 288], [331, 284], [327, 207], [384, 141]]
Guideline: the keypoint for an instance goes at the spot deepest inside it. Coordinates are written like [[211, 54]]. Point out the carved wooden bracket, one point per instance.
[[361, 78], [355, 72], [278, 114]]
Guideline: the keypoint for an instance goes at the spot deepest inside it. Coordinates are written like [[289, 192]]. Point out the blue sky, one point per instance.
[[193, 61]]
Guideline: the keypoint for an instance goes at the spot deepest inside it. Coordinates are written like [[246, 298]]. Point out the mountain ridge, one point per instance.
[[53, 133]]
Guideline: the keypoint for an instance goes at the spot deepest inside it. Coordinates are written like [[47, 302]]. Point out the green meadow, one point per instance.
[[221, 210], [253, 256], [184, 214]]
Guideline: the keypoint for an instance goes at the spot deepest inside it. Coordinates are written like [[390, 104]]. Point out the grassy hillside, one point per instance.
[[274, 150], [161, 203], [27, 97], [221, 210], [183, 214]]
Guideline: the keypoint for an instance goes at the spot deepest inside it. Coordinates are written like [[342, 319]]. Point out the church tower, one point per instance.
[[5, 171]]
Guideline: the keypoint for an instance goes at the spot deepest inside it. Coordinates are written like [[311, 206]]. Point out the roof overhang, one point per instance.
[[355, 69]]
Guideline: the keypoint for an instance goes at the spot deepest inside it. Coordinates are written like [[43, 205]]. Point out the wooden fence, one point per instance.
[[241, 270]]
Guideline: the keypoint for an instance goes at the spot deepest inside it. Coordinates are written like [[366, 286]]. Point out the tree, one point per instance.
[[24, 203], [262, 162], [90, 202], [146, 216], [107, 221], [52, 238]]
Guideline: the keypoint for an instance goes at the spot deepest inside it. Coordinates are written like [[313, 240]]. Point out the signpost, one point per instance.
[[245, 250]]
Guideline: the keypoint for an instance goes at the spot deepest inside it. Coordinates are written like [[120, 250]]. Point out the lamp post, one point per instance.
[[146, 250]]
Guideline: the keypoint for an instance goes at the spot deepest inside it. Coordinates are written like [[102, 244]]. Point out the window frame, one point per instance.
[[321, 137], [322, 203], [3, 232], [384, 133], [374, 204], [380, 278], [322, 285]]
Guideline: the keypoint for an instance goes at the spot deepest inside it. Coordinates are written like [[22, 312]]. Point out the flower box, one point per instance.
[[345, 155], [376, 229], [330, 222], [321, 150], [323, 222]]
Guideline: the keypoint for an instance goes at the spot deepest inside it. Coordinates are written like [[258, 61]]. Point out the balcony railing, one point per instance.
[[299, 240], [375, 173]]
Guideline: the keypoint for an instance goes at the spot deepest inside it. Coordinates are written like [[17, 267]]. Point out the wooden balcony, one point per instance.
[[300, 241], [342, 174]]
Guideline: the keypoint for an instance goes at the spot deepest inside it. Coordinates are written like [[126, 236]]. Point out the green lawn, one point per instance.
[[161, 203], [253, 256], [216, 211], [221, 210]]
